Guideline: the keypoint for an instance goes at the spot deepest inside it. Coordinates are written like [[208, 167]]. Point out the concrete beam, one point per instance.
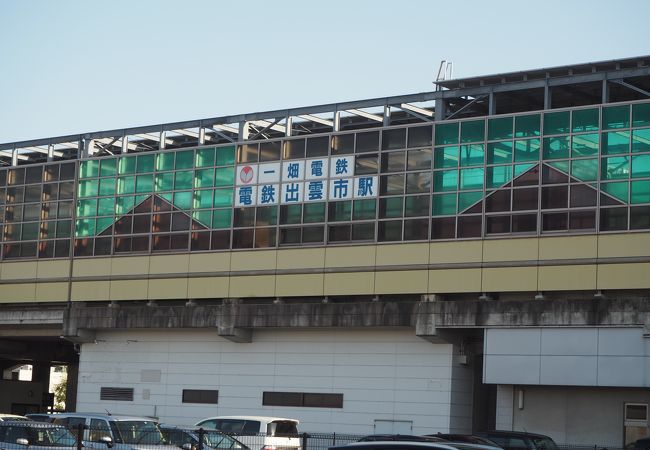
[[81, 336], [238, 335]]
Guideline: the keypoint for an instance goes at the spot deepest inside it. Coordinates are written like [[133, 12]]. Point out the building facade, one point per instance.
[[467, 258]]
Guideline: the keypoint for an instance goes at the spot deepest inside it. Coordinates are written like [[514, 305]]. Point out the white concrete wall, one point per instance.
[[385, 375], [462, 389], [504, 408]]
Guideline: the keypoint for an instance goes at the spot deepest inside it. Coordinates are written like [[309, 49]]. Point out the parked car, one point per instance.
[[467, 438], [396, 445], [115, 431], [518, 440], [22, 434], [4, 417], [399, 437], [257, 432], [641, 444], [188, 439], [40, 417]]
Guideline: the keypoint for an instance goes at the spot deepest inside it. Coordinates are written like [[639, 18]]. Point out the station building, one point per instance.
[[473, 257]]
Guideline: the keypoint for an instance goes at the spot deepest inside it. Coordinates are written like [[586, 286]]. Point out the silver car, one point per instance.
[[23, 434]]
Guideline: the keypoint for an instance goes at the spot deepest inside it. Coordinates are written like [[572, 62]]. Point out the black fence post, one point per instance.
[[334, 438], [201, 434], [80, 436], [304, 441]]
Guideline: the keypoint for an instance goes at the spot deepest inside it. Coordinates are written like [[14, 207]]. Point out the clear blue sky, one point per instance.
[[74, 66]]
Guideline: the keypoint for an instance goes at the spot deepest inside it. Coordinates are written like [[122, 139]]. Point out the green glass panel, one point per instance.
[[225, 176], [641, 115], [416, 206], [63, 228], [84, 227], [641, 166], [105, 206], [168, 196], [108, 167], [500, 128], [521, 168], [499, 152], [183, 200], [562, 166], [164, 181], [314, 212], [127, 165], [445, 157], [87, 207], [146, 163], [557, 122], [204, 178], [205, 157], [467, 199], [641, 140], [292, 214], [107, 186], [393, 207], [221, 218], [557, 147], [339, 211], [88, 188], [640, 191], [103, 223], [140, 198], [446, 133], [472, 178], [203, 199], [527, 126], [527, 150], [126, 185], [29, 231], [616, 142], [223, 197], [267, 215], [584, 144], [497, 176], [88, 168], [185, 159], [585, 169], [615, 168], [124, 204], [472, 131], [203, 217], [585, 120], [165, 161], [617, 190], [226, 156], [472, 155], [364, 209], [144, 183], [616, 117], [184, 179], [446, 180], [444, 204]]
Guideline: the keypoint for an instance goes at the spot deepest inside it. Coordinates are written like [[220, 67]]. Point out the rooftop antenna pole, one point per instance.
[[445, 71]]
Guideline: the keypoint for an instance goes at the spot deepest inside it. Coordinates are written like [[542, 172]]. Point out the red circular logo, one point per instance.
[[246, 174]]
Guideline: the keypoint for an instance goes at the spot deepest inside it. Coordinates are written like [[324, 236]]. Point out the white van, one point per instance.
[[258, 432]]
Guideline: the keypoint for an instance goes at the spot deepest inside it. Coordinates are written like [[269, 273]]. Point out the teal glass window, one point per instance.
[[521, 168], [585, 169], [63, 228], [126, 185], [468, 199], [499, 152], [557, 122], [527, 150], [556, 147], [584, 144], [225, 176], [585, 120], [640, 166], [314, 212], [204, 217], [108, 167], [145, 163], [105, 207], [444, 204], [226, 156], [88, 168], [221, 218], [205, 157], [500, 128], [223, 197], [204, 178], [144, 184], [417, 205], [472, 178], [290, 214], [446, 133], [84, 227], [339, 211], [641, 115], [527, 126], [183, 200], [203, 199], [266, 216], [164, 181], [127, 165], [616, 142], [88, 188], [185, 159], [364, 209], [641, 140], [472, 155], [445, 157], [615, 168], [87, 207], [640, 192], [184, 179], [102, 224], [107, 186], [616, 117], [165, 161], [445, 180], [391, 207], [124, 204], [618, 190], [472, 131], [497, 176]]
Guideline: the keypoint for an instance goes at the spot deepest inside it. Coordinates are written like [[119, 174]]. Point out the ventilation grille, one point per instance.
[[119, 394]]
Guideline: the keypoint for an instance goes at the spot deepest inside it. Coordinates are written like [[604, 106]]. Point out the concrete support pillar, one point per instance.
[[71, 388], [605, 91], [547, 97], [492, 106], [440, 109]]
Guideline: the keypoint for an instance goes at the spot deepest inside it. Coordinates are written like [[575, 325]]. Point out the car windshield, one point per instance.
[[139, 432], [51, 436], [220, 440], [544, 443]]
